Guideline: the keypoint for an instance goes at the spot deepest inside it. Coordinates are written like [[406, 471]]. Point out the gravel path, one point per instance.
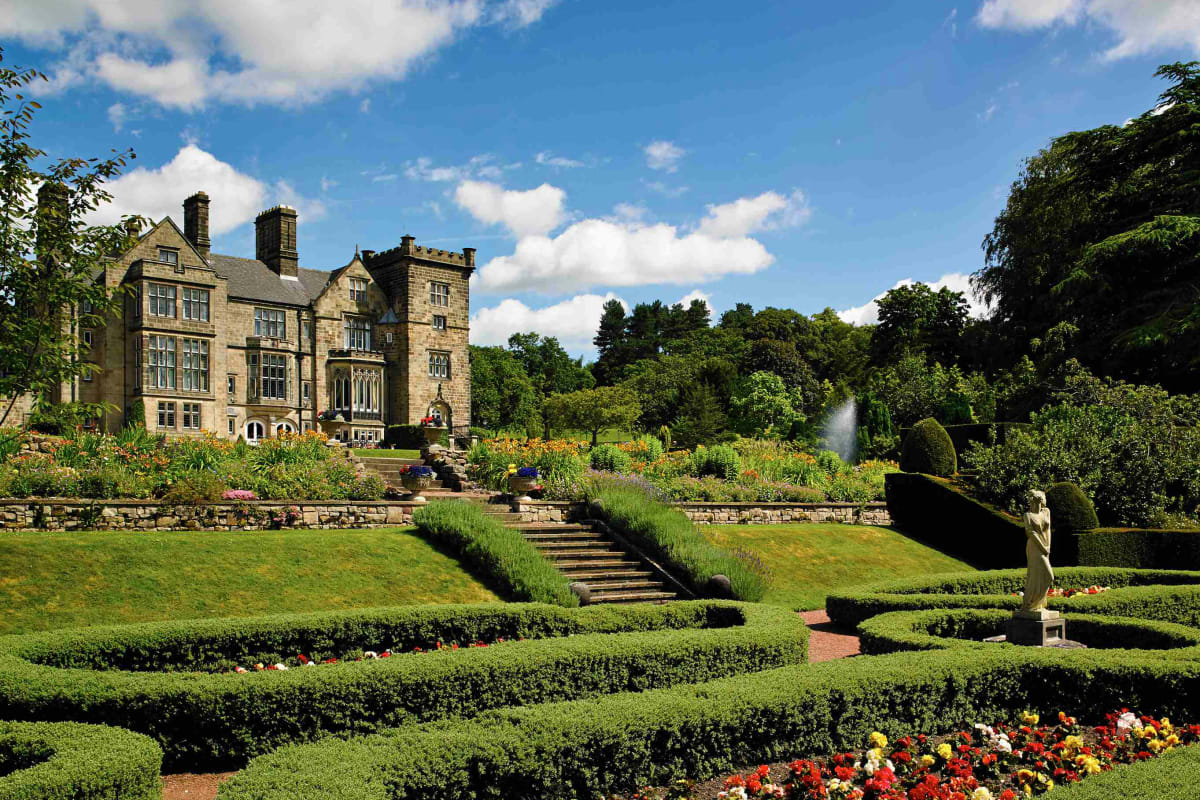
[[826, 642]]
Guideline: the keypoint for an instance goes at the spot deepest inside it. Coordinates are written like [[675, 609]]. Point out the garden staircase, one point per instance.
[[587, 554], [388, 469]]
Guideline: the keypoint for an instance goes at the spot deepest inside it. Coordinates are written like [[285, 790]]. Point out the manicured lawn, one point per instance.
[[809, 560], [55, 580], [381, 453]]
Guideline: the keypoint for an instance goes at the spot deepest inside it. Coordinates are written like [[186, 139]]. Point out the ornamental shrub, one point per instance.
[[610, 458], [405, 437], [1070, 509], [145, 677], [1147, 549], [70, 761], [669, 537], [720, 460], [929, 450]]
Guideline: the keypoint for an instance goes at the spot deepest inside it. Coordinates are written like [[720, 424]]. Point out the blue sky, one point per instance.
[[794, 154]]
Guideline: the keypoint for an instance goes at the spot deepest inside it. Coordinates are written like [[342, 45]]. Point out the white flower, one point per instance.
[[310, 663], [281, 666], [1003, 744], [981, 793], [370, 654], [738, 793], [985, 730], [1128, 721]]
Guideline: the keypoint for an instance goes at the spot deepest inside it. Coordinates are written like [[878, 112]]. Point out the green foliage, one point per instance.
[[1135, 450], [558, 462], [502, 395], [61, 419], [405, 437], [670, 537], [915, 318], [136, 417], [929, 450], [617, 744], [701, 420], [1147, 549], [1163, 595], [1070, 509], [70, 761], [593, 410], [500, 553], [721, 461], [549, 367], [943, 516], [144, 677], [763, 406], [610, 458], [1100, 231], [913, 389], [49, 256]]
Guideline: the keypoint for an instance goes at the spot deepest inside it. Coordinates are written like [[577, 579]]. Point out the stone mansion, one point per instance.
[[255, 346]]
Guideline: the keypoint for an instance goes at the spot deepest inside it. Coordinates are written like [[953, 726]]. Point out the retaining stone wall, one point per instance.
[[152, 515], [729, 513]]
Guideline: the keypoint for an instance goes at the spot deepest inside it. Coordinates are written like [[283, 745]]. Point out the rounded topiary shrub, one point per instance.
[[928, 449], [1070, 508]]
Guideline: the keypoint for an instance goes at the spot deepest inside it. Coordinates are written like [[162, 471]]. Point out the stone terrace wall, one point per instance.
[[153, 515], [730, 513]]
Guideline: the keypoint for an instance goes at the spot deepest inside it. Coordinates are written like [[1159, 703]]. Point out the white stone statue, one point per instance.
[[1039, 575]]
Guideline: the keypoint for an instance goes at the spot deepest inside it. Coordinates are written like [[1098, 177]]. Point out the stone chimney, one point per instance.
[[469, 256], [275, 240], [406, 245], [195, 222]]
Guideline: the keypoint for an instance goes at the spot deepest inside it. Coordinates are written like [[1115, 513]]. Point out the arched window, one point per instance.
[[254, 432], [284, 427]]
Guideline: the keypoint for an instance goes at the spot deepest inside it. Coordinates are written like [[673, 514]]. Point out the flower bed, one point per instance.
[[317, 659], [52, 760], [1005, 761], [618, 743], [137, 465], [1166, 595], [145, 677]]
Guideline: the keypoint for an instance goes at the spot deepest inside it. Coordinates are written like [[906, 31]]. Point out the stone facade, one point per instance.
[[251, 347], [153, 515]]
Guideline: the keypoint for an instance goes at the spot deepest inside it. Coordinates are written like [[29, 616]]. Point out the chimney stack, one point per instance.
[[275, 240], [469, 256], [406, 245], [195, 222]]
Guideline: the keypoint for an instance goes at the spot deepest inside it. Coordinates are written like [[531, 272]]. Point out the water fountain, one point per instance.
[[840, 430]]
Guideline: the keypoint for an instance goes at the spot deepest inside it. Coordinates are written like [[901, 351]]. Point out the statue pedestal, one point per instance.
[[1040, 628]]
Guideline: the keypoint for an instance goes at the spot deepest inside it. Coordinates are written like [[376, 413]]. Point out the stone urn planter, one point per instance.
[[522, 486], [433, 433], [416, 483]]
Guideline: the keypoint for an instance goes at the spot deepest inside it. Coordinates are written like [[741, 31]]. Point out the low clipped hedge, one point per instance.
[[1164, 595], [621, 742], [935, 511], [1134, 547], [928, 449], [1174, 776], [667, 535], [967, 628], [134, 676], [70, 761], [506, 557]]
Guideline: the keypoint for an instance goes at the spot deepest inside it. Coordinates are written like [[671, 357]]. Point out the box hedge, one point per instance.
[[1139, 547], [1070, 509], [70, 761], [1173, 776], [960, 629], [617, 743], [964, 434], [1165, 595], [136, 676], [937, 512], [928, 449]]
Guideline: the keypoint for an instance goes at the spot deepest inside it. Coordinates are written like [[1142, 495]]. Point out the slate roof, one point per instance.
[[251, 279]]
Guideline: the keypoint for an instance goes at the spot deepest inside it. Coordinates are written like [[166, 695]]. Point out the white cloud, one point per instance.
[[327, 184], [630, 212], [868, 313], [117, 114], [573, 321], [951, 23], [987, 113], [663, 155], [365, 105], [525, 213], [548, 159], [236, 198], [281, 58], [385, 178], [480, 166], [665, 190], [1141, 26], [746, 215], [695, 294]]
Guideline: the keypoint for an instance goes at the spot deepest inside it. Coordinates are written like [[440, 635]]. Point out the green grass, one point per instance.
[[381, 453], [808, 560], [56, 580]]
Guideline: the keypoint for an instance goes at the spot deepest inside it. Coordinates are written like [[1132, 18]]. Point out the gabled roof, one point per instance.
[[251, 279]]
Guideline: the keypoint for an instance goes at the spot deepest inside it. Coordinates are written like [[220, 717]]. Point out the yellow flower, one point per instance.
[[1029, 718], [927, 760], [945, 751], [877, 739], [1154, 745], [1073, 742]]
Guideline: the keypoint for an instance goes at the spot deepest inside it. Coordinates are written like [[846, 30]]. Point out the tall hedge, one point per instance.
[[928, 449], [501, 553], [1138, 547], [69, 761], [940, 514], [669, 537], [144, 678], [618, 743]]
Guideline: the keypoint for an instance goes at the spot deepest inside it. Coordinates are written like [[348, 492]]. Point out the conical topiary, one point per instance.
[[928, 449], [1070, 508]]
